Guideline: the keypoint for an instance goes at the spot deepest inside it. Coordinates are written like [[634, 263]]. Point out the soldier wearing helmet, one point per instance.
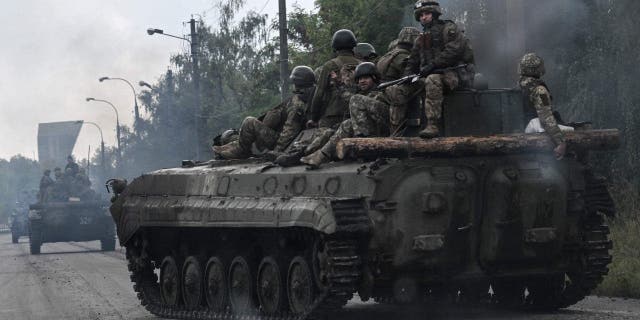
[[327, 106], [369, 114], [538, 100], [277, 128], [441, 45], [392, 66], [365, 52]]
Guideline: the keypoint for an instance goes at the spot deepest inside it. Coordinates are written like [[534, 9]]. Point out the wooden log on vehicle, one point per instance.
[[354, 148]]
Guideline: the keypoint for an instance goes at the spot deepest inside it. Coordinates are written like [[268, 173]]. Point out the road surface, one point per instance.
[[77, 281]]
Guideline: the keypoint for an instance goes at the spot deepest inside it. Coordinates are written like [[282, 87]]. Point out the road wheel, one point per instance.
[[14, 237], [546, 293], [35, 238], [241, 290], [299, 285], [192, 283], [216, 285], [170, 282], [508, 292], [271, 293]]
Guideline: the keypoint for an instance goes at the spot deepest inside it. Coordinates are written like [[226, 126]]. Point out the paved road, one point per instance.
[[77, 281]]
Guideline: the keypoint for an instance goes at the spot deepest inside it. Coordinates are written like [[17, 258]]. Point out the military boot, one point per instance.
[[231, 151], [431, 131], [315, 159]]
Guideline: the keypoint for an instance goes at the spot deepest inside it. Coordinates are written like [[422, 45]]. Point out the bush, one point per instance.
[[624, 275]]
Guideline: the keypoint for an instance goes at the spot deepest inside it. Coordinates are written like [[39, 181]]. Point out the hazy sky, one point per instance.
[[55, 51]]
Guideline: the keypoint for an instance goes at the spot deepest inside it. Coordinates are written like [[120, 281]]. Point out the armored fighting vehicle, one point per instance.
[[73, 220], [397, 220]]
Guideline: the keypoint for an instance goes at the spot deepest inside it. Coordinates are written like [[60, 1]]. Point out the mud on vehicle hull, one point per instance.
[[70, 221], [232, 239]]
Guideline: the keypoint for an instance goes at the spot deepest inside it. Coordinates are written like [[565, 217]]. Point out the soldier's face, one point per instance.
[[426, 17], [365, 83]]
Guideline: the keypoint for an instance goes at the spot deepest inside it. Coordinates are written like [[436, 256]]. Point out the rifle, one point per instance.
[[414, 77]]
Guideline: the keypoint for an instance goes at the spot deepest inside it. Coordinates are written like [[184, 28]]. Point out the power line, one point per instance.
[[265, 5]]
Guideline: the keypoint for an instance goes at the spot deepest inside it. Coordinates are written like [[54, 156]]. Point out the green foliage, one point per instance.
[[623, 279], [19, 180]]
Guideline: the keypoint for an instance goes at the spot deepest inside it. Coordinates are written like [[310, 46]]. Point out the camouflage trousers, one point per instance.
[[253, 131], [435, 86], [399, 97], [369, 116], [345, 130]]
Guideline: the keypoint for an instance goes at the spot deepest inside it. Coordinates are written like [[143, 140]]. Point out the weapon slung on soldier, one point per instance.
[[414, 77]]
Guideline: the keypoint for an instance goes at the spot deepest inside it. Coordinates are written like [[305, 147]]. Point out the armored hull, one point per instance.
[[238, 238], [70, 221]]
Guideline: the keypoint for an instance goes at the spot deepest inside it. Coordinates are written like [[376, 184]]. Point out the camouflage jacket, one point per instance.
[[538, 104], [441, 44], [393, 64], [288, 119], [326, 102]]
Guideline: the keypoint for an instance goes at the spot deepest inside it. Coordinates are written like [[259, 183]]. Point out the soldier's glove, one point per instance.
[[426, 70], [271, 155]]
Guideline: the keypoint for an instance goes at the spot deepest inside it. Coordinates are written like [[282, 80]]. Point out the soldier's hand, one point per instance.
[[560, 150], [311, 124]]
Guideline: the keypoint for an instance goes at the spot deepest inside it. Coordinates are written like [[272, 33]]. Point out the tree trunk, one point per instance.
[[466, 146]]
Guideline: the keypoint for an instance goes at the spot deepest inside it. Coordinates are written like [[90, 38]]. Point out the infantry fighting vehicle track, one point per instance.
[[247, 239], [64, 221]]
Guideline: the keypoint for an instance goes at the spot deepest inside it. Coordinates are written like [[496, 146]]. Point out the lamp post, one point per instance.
[[117, 124], [101, 144], [145, 84], [195, 74], [136, 110]]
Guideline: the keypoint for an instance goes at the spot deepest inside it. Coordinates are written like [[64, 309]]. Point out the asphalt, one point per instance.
[[77, 281]]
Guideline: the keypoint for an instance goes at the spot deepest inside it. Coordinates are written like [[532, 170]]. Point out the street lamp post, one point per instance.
[[195, 74], [136, 110], [117, 124], [101, 144]]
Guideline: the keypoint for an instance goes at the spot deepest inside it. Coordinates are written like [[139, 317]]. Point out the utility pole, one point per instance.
[[284, 49], [516, 35], [196, 84]]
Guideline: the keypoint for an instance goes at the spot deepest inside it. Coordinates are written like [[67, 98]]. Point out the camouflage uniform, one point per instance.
[[275, 131], [45, 183], [537, 96], [327, 107], [392, 66], [369, 116], [441, 45]]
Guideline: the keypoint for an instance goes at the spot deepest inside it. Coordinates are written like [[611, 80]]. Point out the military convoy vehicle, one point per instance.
[[73, 220], [19, 224], [397, 220]]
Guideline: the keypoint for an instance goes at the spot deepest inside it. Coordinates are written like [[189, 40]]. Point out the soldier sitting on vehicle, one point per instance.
[[442, 45], [45, 183], [537, 99], [279, 126], [365, 52], [72, 165], [369, 110]]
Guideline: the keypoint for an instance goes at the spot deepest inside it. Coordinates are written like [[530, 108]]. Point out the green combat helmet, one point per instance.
[[365, 51], [531, 65], [426, 6], [408, 35], [303, 77], [343, 39], [366, 69]]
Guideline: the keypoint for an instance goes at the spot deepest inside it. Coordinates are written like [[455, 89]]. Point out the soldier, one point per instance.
[[365, 52], [538, 100], [279, 126], [45, 183], [441, 45], [71, 164], [392, 66], [369, 111], [57, 173], [328, 107]]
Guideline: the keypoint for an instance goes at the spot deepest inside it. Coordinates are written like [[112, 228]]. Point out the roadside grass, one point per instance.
[[623, 279]]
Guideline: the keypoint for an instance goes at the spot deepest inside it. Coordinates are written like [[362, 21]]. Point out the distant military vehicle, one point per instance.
[[398, 220], [19, 224], [73, 220]]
